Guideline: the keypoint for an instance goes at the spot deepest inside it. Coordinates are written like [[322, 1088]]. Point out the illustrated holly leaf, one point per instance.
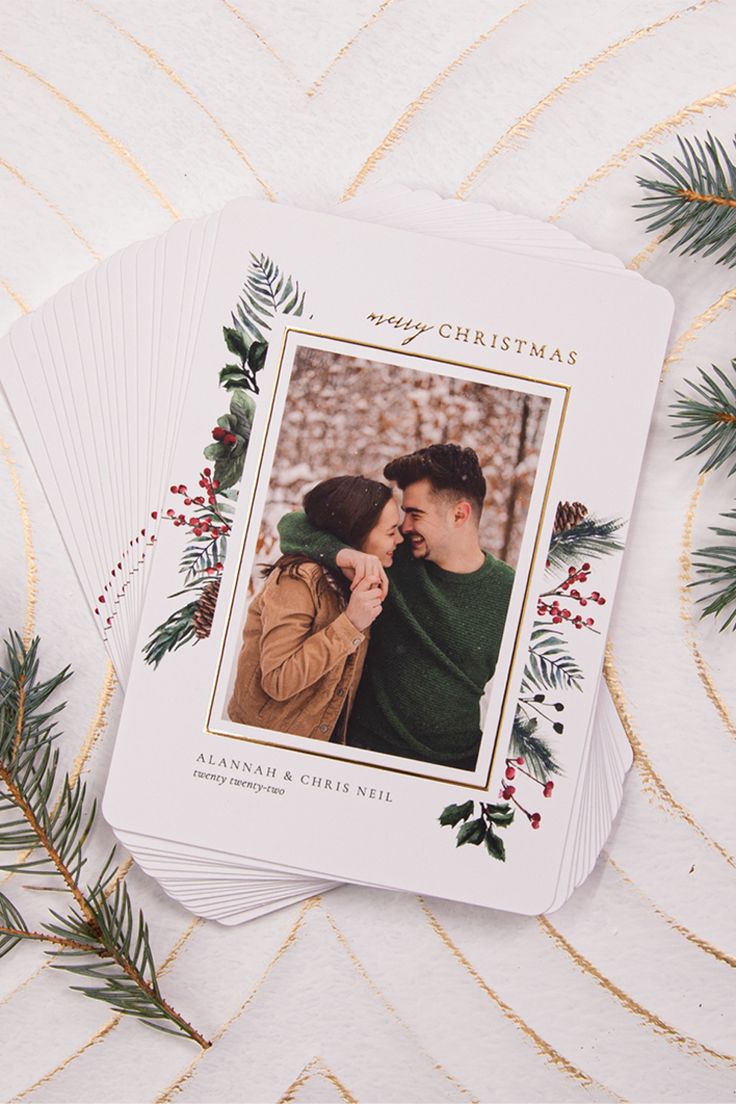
[[495, 846], [242, 410], [257, 355], [472, 832], [500, 815], [453, 814], [236, 342]]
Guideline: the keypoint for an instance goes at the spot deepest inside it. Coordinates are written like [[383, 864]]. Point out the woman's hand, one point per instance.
[[365, 604], [359, 566]]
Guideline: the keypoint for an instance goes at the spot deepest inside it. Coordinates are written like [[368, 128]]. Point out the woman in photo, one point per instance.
[[306, 633]]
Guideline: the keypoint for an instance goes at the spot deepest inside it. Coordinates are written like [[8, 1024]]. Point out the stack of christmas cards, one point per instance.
[[361, 490]]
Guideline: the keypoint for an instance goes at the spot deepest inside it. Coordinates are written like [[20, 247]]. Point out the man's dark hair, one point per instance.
[[450, 470]]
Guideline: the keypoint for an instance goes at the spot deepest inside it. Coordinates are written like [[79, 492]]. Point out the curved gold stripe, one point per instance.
[[20, 304], [541, 1045], [714, 99], [291, 938], [651, 781], [313, 88], [111, 1024], [523, 125], [636, 262], [97, 725], [704, 319], [254, 31], [685, 1042], [317, 1067], [401, 125], [686, 609], [115, 145], [363, 973], [22, 984], [696, 940], [177, 80], [52, 207], [25, 521]]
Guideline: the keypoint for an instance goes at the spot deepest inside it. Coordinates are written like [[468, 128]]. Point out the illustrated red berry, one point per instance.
[[556, 620], [520, 760], [510, 773], [507, 792], [589, 621], [601, 601], [586, 567], [182, 489], [174, 490], [154, 514], [536, 817], [595, 595], [218, 433], [535, 824], [215, 483], [207, 471], [571, 571], [547, 791], [100, 597]]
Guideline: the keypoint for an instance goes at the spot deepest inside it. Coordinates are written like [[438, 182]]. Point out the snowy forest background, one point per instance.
[[345, 415]]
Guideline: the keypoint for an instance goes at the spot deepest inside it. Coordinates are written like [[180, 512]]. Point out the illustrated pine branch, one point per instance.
[[591, 537], [695, 196], [178, 629], [534, 749], [708, 415], [99, 938], [717, 567]]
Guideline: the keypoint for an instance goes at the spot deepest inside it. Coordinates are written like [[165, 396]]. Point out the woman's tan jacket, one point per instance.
[[301, 659]]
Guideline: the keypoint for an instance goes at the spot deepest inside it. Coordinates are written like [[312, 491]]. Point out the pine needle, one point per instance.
[[99, 938], [695, 197]]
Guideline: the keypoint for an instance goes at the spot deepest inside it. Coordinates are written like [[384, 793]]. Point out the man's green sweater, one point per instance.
[[432, 651]]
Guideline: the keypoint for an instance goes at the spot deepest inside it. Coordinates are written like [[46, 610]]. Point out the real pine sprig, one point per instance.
[[99, 938], [708, 415], [717, 567], [695, 196]]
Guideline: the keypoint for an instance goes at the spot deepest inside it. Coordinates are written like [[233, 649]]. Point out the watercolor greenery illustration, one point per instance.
[[204, 513], [551, 676]]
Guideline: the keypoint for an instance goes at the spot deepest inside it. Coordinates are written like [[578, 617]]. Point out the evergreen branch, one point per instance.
[[717, 566], [709, 416], [696, 198], [99, 939], [533, 748], [590, 537], [176, 630]]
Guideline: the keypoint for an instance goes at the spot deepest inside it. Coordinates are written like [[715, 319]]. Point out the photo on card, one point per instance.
[[386, 550]]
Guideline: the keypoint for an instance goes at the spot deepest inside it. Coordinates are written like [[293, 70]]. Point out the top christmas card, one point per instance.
[[374, 627]]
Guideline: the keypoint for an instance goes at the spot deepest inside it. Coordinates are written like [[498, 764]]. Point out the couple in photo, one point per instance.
[[376, 631]]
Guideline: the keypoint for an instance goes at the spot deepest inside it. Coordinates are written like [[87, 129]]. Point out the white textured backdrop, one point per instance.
[[118, 118]]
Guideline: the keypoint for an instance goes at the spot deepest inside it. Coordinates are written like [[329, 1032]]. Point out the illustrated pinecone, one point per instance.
[[205, 610], [569, 514]]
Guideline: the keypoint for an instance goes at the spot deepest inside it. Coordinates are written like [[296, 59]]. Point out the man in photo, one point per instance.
[[436, 644]]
